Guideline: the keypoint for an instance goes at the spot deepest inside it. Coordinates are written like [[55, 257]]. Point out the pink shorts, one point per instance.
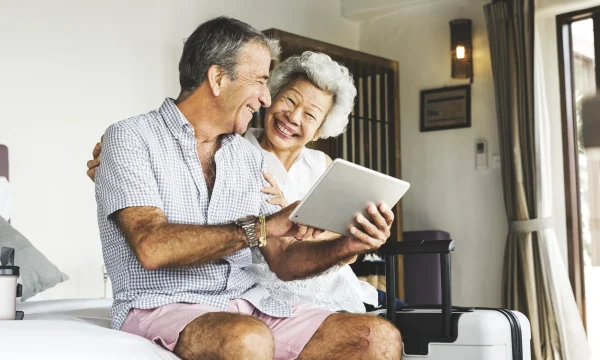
[[162, 325]]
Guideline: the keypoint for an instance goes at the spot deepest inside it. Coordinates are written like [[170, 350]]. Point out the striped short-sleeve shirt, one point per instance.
[[151, 160]]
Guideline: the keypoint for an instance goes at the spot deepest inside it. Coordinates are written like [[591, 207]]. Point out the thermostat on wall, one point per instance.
[[481, 155]]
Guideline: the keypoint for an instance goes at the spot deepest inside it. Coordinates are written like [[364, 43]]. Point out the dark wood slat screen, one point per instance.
[[367, 120], [355, 128], [391, 131], [376, 123], [372, 136], [384, 118]]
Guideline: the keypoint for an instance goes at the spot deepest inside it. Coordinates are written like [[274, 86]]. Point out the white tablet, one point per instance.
[[344, 191]]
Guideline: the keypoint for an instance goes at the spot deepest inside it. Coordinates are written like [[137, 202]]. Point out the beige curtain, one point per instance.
[[533, 270]]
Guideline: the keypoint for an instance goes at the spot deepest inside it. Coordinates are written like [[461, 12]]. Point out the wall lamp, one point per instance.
[[461, 43]]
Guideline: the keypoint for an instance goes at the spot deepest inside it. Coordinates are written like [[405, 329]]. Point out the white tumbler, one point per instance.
[[8, 284]]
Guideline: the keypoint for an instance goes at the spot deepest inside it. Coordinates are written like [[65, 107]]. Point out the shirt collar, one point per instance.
[[179, 125], [174, 119], [304, 156]]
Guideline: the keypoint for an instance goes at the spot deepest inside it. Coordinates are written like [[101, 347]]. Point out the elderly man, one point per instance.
[[179, 207]]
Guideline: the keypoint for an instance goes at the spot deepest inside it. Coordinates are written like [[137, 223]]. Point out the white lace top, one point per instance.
[[337, 288]]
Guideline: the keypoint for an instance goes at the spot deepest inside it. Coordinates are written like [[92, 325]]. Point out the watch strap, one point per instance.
[[249, 226]]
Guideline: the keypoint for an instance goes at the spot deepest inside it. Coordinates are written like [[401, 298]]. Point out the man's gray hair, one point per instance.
[[217, 42], [325, 74]]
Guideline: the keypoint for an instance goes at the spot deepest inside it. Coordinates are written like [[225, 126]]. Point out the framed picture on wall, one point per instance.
[[446, 108]]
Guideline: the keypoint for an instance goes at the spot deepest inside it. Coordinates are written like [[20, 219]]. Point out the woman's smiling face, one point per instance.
[[296, 114]]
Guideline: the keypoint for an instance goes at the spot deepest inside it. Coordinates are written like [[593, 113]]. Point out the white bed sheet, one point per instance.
[[72, 329]]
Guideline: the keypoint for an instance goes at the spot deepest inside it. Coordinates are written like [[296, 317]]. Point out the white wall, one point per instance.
[[69, 68], [447, 192]]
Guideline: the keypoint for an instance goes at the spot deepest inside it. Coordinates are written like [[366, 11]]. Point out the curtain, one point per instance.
[[534, 272]]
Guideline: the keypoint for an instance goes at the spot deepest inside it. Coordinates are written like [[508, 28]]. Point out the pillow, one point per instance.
[[37, 272]]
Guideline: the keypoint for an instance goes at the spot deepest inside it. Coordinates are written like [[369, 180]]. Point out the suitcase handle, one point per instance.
[[418, 247], [436, 306], [442, 247]]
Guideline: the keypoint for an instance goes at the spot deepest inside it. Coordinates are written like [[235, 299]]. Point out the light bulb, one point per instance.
[[460, 52]]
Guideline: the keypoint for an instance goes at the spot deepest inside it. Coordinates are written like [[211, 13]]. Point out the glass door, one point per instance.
[[579, 45]]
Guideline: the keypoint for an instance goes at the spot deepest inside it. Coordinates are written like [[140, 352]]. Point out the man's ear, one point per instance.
[[214, 76]]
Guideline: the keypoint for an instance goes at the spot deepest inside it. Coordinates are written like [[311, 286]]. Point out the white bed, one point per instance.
[[66, 329], [72, 329]]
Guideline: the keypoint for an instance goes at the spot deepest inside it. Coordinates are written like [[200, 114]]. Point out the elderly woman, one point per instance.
[[312, 99]]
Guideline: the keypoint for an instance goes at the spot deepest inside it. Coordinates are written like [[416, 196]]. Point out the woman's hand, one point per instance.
[[93, 164], [278, 197]]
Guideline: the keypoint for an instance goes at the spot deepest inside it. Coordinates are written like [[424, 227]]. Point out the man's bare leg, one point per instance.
[[354, 336], [222, 335]]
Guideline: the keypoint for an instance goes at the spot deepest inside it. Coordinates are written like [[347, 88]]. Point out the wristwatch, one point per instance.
[[248, 223]]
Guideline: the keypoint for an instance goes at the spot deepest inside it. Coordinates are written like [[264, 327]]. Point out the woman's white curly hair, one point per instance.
[[325, 74]]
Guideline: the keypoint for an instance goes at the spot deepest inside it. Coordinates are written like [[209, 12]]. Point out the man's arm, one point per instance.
[[328, 236], [159, 244], [127, 191], [291, 259]]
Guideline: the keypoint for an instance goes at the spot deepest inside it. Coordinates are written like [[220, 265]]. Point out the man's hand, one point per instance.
[[376, 232], [279, 225], [95, 162]]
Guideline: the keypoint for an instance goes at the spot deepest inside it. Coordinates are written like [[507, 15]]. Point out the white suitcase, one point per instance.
[[436, 332]]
